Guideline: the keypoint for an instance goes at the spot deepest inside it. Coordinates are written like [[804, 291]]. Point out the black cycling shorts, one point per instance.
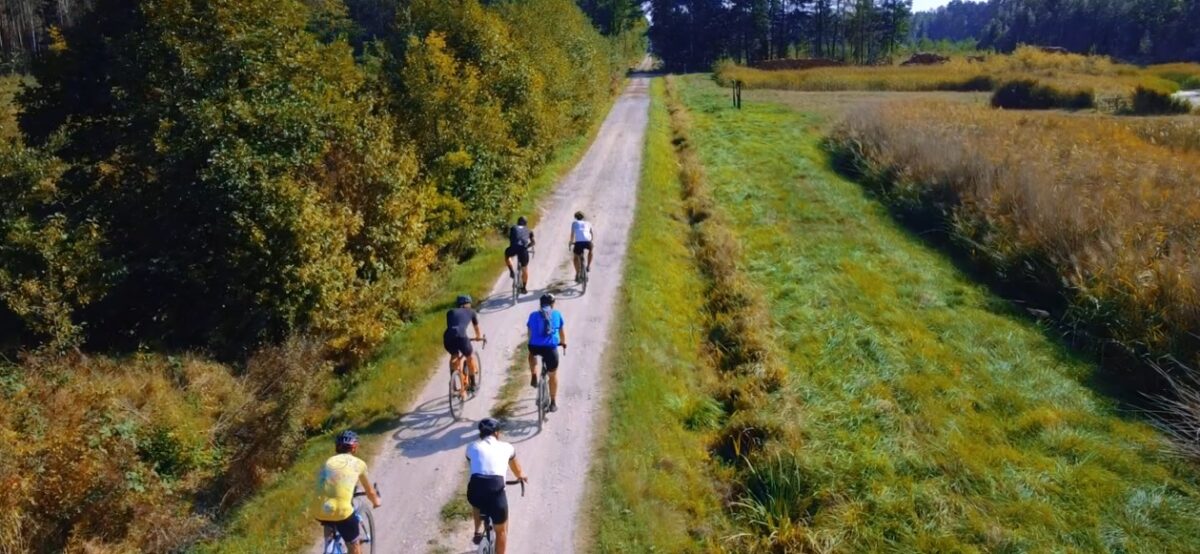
[[456, 345], [486, 494], [348, 528], [521, 252], [581, 246], [549, 356]]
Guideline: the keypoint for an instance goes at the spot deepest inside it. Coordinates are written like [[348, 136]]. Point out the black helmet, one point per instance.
[[547, 299], [463, 299], [579, 215], [521, 220], [347, 438], [488, 427]]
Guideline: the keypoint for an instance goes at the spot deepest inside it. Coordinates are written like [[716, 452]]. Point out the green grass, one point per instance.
[[934, 416], [655, 483], [375, 396]]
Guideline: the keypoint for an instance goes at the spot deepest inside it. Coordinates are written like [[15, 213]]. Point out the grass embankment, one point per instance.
[[934, 417], [274, 521], [656, 489], [1111, 83]]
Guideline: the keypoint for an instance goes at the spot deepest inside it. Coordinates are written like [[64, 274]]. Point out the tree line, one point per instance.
[[690, 35], [1136, 30], [223, 174]]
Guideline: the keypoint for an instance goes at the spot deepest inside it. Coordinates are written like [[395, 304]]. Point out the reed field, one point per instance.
[[1110, 82], [1092, 209]]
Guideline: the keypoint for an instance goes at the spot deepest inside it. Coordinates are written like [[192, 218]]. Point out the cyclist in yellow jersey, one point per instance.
[[334, 504]]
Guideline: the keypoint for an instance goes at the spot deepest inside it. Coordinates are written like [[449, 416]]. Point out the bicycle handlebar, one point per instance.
[[516, 481]]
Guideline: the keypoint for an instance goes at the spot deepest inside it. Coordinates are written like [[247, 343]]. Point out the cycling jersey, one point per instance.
[[490, 456], [458, 319], [581, 230], [539, 335], [520, 236], [335, 487]]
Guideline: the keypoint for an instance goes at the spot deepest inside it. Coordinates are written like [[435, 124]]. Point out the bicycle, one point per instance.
[[516, 277], [461, 376], [581, 276], [543, 394], [488, 544], [366, 524]]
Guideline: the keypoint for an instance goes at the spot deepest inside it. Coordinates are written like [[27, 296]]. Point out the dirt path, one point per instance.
[[423, 466]]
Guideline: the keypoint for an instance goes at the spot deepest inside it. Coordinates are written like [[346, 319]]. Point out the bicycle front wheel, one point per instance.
[[366, 526]]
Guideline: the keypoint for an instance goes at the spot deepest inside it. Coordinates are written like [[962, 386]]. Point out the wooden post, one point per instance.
[[737, 94]]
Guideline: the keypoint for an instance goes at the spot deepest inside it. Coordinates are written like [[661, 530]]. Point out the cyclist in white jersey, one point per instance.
[[490, 459], [581, 239]]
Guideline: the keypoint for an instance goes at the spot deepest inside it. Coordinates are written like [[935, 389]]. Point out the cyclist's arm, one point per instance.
[[478, 333], [369, 489], [562, 336], [515, 467]]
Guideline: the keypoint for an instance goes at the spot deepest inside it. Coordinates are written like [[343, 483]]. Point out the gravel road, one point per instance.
[[422, 467]]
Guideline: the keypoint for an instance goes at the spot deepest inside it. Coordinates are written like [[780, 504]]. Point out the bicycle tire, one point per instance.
[[543, 400], [366, 524], [456, 400], [478, 372]]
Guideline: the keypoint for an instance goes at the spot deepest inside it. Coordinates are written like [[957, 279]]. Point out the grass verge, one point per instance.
[[934, 416], [657, 489], [373, 398]]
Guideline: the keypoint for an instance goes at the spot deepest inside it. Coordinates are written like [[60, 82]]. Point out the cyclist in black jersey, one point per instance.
[[520, 239], [455, 339]]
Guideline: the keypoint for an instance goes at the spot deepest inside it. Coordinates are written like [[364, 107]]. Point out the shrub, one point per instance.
[[1152, 102], [1025, 94]]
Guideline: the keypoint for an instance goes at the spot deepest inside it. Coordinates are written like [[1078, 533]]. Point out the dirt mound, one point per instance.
[[926, 58], [796, 63]]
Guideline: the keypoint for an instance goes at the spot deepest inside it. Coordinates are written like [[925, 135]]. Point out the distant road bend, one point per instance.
[[422, 466]]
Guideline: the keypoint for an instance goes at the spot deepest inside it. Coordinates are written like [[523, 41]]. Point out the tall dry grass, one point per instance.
[[1099, 216], [1108, 80]]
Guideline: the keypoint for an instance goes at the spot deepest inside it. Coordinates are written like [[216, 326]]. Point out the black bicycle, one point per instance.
[[462, 377], [581, 276], [543, 394], [488, 544], [366, 525], [516, 276]]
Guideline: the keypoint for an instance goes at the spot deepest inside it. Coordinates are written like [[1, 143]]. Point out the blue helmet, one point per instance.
[[347, 438], [463, 299], [488, 427]]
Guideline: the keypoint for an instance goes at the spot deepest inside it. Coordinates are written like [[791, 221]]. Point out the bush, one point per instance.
[[1152, 102], [1025, 94]]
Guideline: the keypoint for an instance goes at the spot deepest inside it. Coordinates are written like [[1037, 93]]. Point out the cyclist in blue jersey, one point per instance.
[[546, 335]]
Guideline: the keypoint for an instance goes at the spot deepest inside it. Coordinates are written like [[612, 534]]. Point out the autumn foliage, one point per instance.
[[267, 183]]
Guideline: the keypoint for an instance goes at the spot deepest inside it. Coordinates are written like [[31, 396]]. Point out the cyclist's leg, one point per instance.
[[501, 537], [532, 367], [349, 530], [523, 261], [590, 249], [508, 256], [550, 358], [499, 513], [577, 258]]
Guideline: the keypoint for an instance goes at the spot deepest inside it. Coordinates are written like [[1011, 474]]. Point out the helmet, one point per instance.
[[347, 438], [463, 299], [521, 220], [488, 427], [547, 299], [579, 215]]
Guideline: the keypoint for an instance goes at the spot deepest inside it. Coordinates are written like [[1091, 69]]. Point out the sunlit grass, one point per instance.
[[933, 417], [656, 486]]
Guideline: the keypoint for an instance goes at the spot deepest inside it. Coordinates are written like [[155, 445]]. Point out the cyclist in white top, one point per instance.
[[490, 460], [581, 239]]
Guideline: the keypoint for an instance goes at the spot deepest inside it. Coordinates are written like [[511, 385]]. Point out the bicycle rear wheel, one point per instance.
[[456, 399], [488, 544], [366, 525], [543, 400], [478, 372]]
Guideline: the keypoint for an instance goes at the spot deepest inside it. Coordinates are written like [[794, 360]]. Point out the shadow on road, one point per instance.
[[429, 429]]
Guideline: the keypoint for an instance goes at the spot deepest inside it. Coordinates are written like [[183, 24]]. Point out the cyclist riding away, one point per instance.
[[334, 503], [581, 239], [456, 342], [546, 334], [490, 460], [520, 238]]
